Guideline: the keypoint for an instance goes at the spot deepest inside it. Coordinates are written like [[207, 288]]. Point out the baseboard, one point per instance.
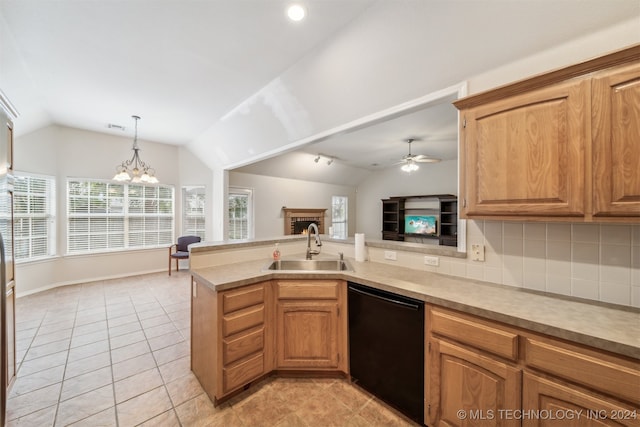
[[78, 282]]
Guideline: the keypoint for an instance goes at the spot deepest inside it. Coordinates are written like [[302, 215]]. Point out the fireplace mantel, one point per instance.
[[292, 215]]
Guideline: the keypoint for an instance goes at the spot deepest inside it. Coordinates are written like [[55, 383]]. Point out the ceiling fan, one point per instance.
[[409, 161]]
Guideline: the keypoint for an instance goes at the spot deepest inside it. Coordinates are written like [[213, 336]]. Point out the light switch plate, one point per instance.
[[390, 255], [477, 253]]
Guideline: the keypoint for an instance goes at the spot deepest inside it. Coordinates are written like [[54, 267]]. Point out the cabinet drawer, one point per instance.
[[575, 364], [243, 319], [317, 289], [241, 373], [468, 331], [245, 297], [242, 346]]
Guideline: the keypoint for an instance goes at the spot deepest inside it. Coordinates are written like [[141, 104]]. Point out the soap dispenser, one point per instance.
[[276, 253]]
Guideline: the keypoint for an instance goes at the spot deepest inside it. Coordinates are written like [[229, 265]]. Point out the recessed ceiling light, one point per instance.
[[296, 12]]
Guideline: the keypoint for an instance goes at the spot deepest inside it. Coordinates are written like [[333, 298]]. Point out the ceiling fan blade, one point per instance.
[[421, 158]]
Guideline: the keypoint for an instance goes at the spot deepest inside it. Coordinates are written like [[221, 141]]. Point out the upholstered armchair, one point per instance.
[[180, 250]]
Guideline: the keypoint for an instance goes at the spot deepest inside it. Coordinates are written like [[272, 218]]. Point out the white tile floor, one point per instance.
[[117, 353], [105, 353]]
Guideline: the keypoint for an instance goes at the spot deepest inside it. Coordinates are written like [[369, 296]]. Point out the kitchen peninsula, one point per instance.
[[534, 344]]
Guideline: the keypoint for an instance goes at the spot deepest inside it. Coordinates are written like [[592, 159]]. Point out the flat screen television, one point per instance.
[[426, 225]]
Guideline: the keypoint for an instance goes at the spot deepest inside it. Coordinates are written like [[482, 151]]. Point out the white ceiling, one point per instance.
[[180, 64], [184, 64]]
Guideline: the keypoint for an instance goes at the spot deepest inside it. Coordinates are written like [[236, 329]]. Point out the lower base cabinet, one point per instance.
[[242, 334], [464, 380], [549, 402], [483, 373], [307, 335]]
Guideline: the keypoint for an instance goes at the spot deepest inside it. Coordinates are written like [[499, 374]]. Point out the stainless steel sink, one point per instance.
[[309, 265]]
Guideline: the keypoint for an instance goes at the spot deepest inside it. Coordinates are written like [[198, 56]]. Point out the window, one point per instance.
[[193, 216], [34, 210], [107, 216], [339, 217], [240, 213]]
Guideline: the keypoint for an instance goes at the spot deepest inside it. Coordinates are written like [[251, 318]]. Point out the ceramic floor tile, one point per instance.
[[106, 418], [28, 383], [84, 405], [28, 403], [88, 350], [144, 407], [166, 340], [84, 339], [156, 331], [170, 353], [130, 351], [40, 364], [90, 328], [183, 389], [166, 419], [124, 329], [127, 339], [42, 418], [200, 411], [175, 369], [155, 321], [88, 364], [137, 384], [151, 313], [86, 382], [55, 327], [133, 366], [47, 349], [119, 321]]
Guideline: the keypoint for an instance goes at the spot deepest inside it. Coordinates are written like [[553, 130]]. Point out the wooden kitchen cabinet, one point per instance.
[[503, 375], [560, 146], [569, 405], [464, 373], [616, 142], [311, 325], [525, 154], [230, 337]]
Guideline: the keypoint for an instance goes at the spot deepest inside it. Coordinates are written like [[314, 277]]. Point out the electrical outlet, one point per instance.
[[390, 255], [432, 260], [477, 253]]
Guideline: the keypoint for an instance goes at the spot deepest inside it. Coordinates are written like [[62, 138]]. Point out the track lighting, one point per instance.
[[322, 156]]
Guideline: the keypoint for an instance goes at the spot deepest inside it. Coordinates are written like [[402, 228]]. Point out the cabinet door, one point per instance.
[[524, 155], [469, 388], [561, 405], [616, 143], [307, 334]]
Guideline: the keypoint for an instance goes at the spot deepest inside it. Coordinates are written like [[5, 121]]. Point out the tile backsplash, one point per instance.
[[594, 261]]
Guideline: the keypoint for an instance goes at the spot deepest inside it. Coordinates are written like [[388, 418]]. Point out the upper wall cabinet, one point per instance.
[[560, 146], [615, 116]]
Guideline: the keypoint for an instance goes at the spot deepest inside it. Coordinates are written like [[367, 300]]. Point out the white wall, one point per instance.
[[66, 152], [271, 194], [431, 178]]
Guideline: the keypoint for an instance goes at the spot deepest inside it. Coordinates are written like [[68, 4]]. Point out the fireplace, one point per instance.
[[296, 220]]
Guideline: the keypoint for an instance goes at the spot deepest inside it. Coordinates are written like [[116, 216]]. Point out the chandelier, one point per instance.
[[134, 169]]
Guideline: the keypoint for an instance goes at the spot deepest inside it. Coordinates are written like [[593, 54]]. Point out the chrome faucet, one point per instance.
[[317, 237]]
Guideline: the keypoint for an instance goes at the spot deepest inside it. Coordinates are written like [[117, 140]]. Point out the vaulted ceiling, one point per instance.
[[187, 65]]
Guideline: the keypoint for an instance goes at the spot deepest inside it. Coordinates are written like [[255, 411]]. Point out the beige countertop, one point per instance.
[[598, 325]]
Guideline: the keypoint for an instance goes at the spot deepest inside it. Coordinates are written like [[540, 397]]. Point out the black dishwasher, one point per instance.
[[386, 347]]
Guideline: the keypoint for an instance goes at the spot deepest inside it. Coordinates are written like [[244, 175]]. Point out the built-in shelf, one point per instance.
[[445, 209]]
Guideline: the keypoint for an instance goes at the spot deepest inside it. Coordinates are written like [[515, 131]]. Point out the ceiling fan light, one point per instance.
[[410, 167]]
